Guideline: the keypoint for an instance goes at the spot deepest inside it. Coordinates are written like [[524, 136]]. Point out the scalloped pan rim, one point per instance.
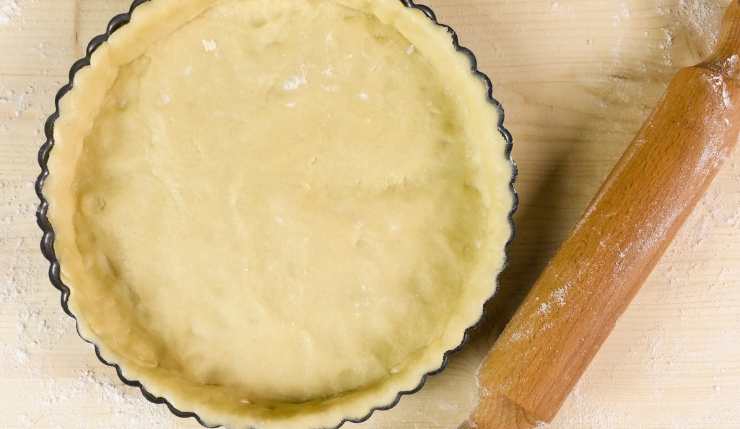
[[47, 240]]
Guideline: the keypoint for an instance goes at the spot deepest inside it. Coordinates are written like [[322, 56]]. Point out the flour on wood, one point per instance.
[[9, 10]]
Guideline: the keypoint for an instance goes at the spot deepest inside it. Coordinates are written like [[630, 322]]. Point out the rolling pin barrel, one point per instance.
[[595, 274]]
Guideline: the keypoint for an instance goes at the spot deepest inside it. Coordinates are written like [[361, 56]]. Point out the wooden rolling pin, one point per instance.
[[597, 271]]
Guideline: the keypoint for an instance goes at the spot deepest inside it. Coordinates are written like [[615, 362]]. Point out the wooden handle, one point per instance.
[[575, 303]]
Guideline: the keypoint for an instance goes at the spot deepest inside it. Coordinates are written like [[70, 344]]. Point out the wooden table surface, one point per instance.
[[577, 78]]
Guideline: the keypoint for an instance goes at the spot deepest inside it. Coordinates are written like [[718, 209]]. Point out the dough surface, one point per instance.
[[278, 213]]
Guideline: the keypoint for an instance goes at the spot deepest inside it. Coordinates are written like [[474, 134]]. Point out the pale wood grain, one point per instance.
[[576, 85], [598, 270]]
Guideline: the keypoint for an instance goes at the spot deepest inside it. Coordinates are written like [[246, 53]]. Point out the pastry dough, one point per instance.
[[278, 213]]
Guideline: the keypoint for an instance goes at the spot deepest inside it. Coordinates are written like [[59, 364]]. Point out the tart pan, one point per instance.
[[47, 241]]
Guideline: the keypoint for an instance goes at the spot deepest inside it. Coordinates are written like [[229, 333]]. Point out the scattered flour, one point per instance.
[[584, 413], [731, 64], [9, 10], [209, 45], [37, 340], [703, 17], [667, 46], [294, 82], [559, 295], [544, 309], [38, 328], [720, 87], [517, 336]]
